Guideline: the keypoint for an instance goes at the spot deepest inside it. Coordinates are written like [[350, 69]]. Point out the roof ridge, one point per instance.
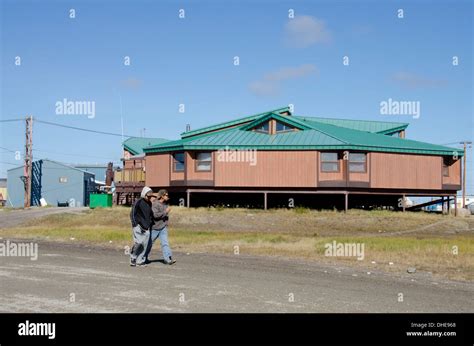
[[388, 138], [190, 138], [278, 117], [185, 139], [67, 165], [364, 120], [135, 145], [399, 139], [327, 134], [145, 139], [250, 117]]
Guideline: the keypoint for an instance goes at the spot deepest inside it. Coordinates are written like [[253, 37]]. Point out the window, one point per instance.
[[178, 162], [357, 162], [203, 162], [280, 127], [263, 128], [329, 162], [446, 164]]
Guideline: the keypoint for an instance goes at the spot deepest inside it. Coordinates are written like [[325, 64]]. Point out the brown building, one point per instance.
[[279, 156]]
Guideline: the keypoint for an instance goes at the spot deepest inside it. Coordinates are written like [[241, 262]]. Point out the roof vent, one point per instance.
[[188, 127]]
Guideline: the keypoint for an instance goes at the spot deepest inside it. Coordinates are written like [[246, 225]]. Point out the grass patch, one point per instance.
[[301, 210]]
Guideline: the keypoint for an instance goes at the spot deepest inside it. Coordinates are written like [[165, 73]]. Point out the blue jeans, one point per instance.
[[165, 246]]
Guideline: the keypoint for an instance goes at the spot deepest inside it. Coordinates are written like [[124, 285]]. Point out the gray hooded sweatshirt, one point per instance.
[[160, 215]]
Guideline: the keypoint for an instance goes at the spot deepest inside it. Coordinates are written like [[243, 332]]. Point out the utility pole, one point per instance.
[[465, 143], [28, 160]]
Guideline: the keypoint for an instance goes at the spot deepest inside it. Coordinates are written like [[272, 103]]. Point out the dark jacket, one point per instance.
[[160, 215], [141, 214]]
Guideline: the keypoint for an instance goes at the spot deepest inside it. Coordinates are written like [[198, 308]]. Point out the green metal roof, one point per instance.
[[314, 135], [135, 145], [382, 127], [232, 122]]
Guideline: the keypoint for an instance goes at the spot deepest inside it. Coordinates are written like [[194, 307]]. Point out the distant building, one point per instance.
[[57, 183], [99, 170], [3, 191], [469, 200]]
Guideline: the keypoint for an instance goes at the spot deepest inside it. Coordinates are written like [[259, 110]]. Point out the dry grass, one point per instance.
[[424, 241]]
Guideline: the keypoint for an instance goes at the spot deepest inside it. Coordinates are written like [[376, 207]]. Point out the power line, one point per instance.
[[10, 120], [452, 143], [69, 154], [9, 163], [449, 143], [12, 151], [81, 129], [59, 153], [74, 128]]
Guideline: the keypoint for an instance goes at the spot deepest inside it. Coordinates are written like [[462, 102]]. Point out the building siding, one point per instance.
[[405, 171], [302, 169], [273, 169], [158, 170]]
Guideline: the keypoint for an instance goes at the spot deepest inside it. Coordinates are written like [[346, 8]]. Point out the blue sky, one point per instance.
[[190, 61]]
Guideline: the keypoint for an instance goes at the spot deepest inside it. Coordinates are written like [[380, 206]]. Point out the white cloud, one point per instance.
[[131, 83], [290, 72], [412, 80], [264, 88], [304, 31], [270, 84]]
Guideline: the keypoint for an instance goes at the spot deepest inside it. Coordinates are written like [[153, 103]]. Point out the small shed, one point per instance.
[[57, 183]]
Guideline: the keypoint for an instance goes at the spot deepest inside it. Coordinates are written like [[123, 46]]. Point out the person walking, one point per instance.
[[141, 217], [160, 211]]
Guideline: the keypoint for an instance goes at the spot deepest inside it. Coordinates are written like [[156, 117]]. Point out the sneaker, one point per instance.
[[133, 262], [142, 264], [170, 262]]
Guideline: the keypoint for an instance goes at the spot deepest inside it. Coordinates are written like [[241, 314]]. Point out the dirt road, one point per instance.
[[77, 278]]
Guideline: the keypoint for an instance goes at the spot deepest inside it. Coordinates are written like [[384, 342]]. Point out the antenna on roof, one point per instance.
[[188, 127], [121, 115]]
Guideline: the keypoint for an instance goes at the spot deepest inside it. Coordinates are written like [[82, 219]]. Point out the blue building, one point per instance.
[[56, 182]]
